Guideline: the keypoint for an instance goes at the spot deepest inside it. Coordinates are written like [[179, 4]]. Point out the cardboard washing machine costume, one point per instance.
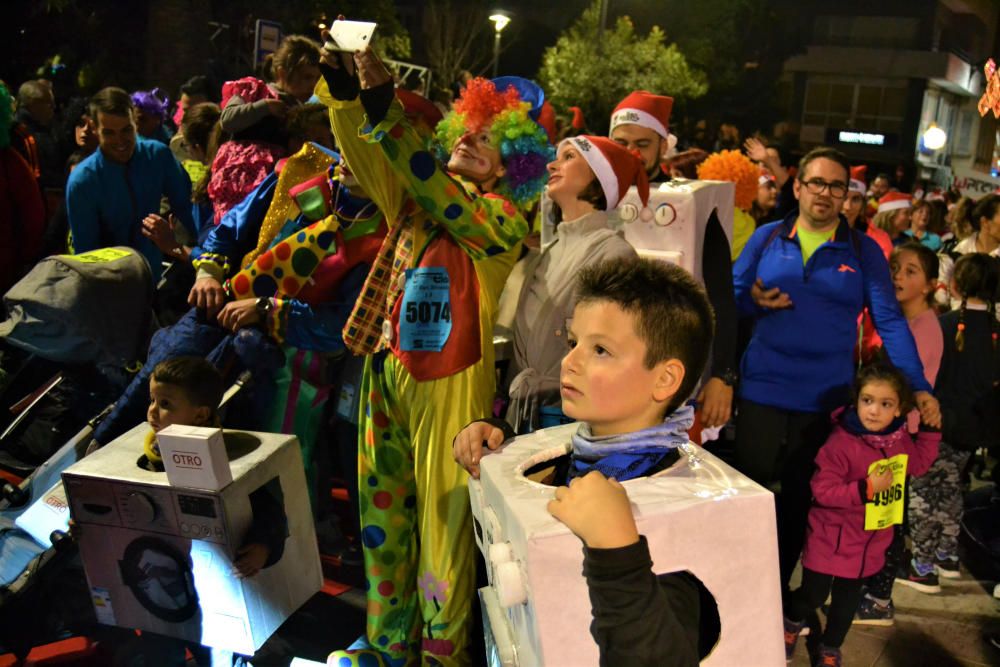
[[159, 557], [696, 516], [671, 227]]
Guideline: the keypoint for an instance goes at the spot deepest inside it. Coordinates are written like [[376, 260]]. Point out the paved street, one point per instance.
[[941, 630]]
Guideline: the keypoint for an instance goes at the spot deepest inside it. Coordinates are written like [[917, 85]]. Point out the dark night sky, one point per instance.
[[88, 28]]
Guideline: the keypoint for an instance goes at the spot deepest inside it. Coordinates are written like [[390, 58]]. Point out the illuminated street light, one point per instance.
[[934, 137], [500, 20]]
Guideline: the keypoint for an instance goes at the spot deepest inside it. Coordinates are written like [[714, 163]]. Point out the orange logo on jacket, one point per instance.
[[844, 267]]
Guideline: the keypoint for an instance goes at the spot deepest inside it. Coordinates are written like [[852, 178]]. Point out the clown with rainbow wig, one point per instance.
[[456, 198]]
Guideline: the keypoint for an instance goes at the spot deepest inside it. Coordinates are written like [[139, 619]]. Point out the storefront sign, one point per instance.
[[974, 184], [847, 137], [851, 137]]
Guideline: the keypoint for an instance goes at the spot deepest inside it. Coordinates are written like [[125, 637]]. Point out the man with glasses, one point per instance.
[[805, 280]]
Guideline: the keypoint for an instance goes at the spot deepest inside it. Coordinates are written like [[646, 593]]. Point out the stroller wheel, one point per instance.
[[14, 495]]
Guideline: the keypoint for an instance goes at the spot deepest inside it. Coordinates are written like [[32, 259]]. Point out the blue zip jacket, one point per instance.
[[106, 201], [801, 358]]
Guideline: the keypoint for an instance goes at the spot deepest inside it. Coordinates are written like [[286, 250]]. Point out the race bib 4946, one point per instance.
[[886, 508]]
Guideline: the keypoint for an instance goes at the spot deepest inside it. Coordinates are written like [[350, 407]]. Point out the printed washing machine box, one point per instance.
[[672, 225], [194, 457], [699, 516], [159, 557]]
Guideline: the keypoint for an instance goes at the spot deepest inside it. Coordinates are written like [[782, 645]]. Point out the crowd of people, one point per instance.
[[370, 240]]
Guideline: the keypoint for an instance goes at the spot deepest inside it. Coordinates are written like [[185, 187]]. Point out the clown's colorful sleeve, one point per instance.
[[220, 253], [318, 326], [370, 167], [483, 225]]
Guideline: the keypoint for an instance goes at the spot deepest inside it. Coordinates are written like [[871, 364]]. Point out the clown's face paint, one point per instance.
[[475, 158]]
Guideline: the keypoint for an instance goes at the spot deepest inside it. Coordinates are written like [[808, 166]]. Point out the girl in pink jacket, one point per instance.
[[858, 491]]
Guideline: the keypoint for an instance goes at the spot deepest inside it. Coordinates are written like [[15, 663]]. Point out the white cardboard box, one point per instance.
[[699, 516], [195, 457]]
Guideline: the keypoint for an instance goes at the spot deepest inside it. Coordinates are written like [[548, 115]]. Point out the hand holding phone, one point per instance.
[[349, 36]]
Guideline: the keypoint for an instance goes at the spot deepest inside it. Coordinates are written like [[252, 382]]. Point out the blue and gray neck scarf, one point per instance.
[[629, 455]]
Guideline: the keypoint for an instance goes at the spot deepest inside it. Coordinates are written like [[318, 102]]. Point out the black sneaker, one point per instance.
[[925, 583], [947, 568], [828, 657], [872, 613], [792, 631]]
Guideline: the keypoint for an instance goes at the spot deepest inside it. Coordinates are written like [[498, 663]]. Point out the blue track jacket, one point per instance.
[[801, 358], [106, 201]]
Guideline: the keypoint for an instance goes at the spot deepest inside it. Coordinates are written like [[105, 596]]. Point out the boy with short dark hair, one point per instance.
[[187, 391], [639, 339]]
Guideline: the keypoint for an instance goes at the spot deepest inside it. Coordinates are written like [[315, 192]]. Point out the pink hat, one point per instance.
[[857, 183], [616, 169], [645, 110], [893, 201]]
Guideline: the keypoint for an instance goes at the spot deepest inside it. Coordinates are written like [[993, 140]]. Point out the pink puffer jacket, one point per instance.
[[836, 540]]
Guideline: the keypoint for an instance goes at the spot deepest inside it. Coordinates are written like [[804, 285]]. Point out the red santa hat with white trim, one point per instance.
[[645, 110], [616, 168], [857, 183], [893, 201]]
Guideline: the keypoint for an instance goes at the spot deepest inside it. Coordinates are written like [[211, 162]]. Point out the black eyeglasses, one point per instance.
[[815, 186]]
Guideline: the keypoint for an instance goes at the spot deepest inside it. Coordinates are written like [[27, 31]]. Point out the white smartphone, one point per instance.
[[350, 36]]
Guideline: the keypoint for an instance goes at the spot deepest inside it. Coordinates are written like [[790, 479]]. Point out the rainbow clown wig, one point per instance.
[[509, 107]]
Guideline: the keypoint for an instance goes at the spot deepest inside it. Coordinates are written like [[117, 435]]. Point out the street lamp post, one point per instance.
[[500, 20]]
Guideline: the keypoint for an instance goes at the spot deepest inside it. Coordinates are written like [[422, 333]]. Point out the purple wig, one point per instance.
[[153, 102]]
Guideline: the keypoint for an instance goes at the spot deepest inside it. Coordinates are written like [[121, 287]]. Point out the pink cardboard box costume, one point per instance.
[[700, 515]]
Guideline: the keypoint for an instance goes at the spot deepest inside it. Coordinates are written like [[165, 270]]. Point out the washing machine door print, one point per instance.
[[160, 577]]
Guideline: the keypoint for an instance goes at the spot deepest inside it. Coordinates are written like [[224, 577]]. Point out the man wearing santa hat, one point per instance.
[[640, 124]]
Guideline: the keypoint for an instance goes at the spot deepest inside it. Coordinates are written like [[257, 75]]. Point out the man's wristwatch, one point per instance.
[[729, 377], [264, 306]]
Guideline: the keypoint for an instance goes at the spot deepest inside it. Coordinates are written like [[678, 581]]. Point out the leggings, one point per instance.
[[936, 506], [846, 594]]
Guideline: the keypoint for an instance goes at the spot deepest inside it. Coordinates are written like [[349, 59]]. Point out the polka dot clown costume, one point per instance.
[[425, 321], [314, 245]]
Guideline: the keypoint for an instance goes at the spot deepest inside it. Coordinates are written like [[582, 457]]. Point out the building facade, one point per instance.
[[875, 76]]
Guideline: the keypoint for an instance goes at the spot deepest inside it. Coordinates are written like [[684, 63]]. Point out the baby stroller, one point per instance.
[[75, 329]]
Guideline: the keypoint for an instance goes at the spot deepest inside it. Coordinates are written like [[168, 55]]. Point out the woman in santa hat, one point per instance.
[[854, 210], [893, 216], [588, 178]]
